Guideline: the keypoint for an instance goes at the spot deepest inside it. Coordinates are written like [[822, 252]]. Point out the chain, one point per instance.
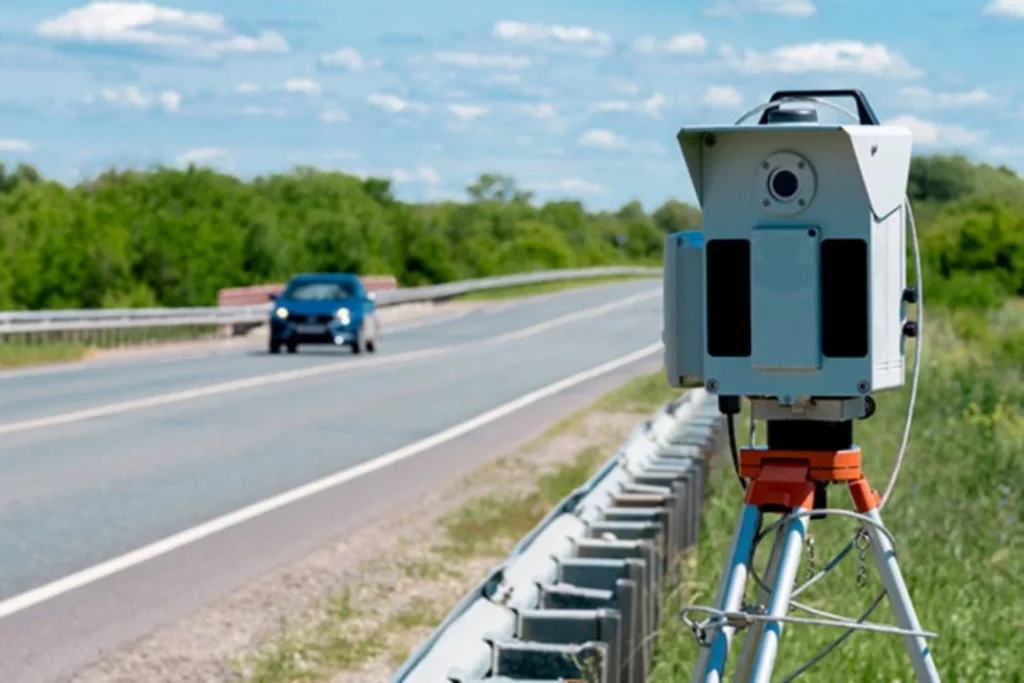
[[811, 557], [862, 542]]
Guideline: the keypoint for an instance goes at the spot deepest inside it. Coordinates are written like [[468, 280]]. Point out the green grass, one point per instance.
[[49, 348], [956, 515], [17, 354], [502, 293]]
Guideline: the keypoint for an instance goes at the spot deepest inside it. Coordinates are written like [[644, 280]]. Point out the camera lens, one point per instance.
[[784, 184]]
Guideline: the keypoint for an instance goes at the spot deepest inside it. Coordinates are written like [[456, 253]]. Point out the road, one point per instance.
[[133, 491]]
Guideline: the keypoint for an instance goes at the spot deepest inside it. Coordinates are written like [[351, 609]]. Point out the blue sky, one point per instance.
[[575, 98]]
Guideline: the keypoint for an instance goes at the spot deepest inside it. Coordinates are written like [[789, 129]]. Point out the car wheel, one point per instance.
[[275, 347], [373, 341], [292, 348]]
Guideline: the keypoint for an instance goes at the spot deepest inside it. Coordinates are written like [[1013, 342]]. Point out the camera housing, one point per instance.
[[795, 286]]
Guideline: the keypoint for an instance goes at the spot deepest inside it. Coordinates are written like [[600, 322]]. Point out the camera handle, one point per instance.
[[864, 110]]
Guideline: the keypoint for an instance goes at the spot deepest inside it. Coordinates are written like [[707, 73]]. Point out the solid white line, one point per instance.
[[74, 581], [211, 390], [315, 371]]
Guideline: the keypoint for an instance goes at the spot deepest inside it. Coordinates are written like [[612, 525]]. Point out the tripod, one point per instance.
[[790, 477]]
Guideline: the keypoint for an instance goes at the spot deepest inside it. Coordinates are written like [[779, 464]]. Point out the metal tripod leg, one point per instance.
[[899, 597], [782, 589], [711, 661], [756, 631]]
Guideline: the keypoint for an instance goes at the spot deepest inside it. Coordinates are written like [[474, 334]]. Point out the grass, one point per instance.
[[487, 526], [49, 348], [19, 354], [955, 513], [515, 291]]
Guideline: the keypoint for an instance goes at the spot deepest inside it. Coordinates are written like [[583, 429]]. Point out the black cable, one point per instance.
[[735, 452]]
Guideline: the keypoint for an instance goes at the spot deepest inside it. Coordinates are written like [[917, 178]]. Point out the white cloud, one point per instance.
[[248, 88], [572, 185], [599, 137], [305, 86], [722, 96], [1012, 9], [475, 60], [203, 156], [131, 96], [16, 146], [923, 97], [931, 134], [652, 106], [170, 100], [792, 8], [333, 116], [580, 185], [842, 56], [522, 32], [345, 58], [423, 174], [256, 110], [539, 110], [393, 103], [682, 44], [148, 25], [467, 112]]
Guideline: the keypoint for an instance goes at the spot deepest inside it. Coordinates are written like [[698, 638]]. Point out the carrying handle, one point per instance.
[[864, 110]]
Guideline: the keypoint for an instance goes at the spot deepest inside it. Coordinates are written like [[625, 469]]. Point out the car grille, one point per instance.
[[300, 318]]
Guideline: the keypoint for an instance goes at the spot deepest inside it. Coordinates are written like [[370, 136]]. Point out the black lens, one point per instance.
[[785, 184]]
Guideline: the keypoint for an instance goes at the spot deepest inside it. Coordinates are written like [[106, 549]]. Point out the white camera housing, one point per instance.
[[802, 262]]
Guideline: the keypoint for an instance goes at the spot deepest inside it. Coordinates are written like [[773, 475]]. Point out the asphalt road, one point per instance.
[[101, 459]]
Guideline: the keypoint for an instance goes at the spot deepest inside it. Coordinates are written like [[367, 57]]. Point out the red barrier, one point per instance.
[[260, 294]]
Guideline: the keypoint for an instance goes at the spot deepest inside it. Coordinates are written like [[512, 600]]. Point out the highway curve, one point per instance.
[[105, 459]]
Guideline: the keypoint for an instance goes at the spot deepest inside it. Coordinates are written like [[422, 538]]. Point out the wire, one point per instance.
[[735, 452]]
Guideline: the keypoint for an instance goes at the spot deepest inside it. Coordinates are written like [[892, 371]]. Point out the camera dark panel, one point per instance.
[[728, 298], [844, 298]]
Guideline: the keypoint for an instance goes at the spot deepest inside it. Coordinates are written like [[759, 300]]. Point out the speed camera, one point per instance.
[[795, 286]]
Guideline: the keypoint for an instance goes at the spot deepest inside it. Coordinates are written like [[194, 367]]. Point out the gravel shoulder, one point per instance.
[[354, 611]]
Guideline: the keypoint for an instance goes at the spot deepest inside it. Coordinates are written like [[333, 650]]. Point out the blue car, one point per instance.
[[324, 308]]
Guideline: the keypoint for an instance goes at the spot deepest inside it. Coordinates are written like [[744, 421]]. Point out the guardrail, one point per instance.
[[92, 320], [579, 597]]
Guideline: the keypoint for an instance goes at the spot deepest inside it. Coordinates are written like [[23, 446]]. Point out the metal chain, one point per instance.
[[811, 557], [862, 542]]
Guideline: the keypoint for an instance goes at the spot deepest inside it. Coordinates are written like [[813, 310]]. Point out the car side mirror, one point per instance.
[[272, 297]]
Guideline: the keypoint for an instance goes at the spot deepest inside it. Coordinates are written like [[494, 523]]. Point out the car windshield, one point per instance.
[[320, 291]]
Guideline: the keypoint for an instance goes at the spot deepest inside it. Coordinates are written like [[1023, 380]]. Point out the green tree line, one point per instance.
[[169, 237]]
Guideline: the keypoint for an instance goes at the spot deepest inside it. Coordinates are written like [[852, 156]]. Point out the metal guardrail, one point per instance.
[[579, 597], [41, 322]]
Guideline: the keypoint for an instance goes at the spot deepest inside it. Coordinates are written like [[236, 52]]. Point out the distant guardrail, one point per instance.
[[58, 321], [579, 597]]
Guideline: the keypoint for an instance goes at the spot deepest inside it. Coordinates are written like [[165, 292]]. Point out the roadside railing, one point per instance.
[[579, 597], [107, 327]]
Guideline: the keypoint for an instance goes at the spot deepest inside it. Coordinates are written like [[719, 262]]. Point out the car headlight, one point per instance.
[[281, 312], [344, 317]]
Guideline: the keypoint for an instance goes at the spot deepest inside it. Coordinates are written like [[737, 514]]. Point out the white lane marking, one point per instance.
[[315, 371], [211, 390], [82, 578], [578, 315]]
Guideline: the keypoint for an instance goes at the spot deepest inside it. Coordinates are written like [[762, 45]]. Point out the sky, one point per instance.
[[576, 99]]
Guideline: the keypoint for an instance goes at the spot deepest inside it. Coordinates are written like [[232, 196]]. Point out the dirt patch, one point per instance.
[[360, 606]]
